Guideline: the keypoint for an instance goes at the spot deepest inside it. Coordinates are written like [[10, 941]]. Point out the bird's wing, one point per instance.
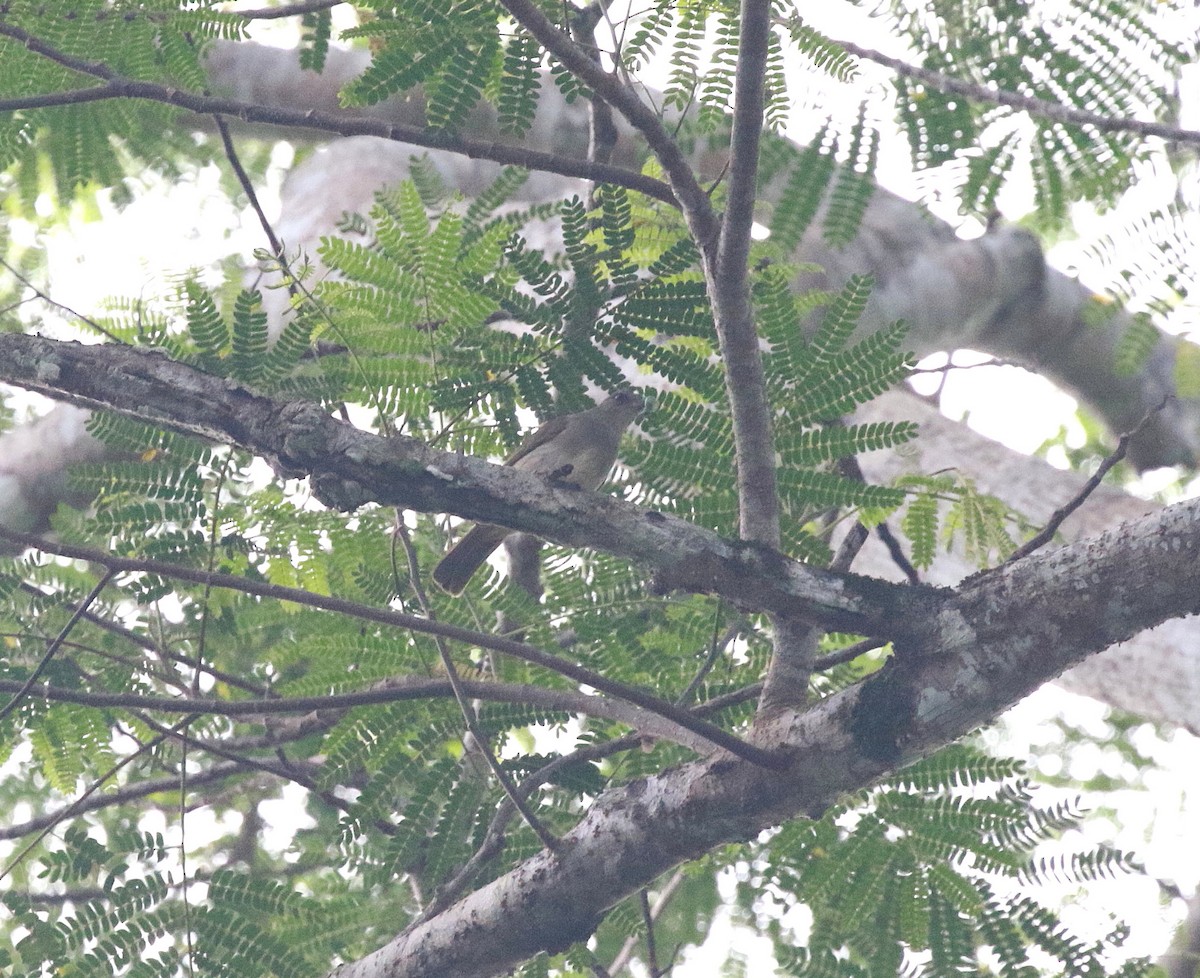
[[538, 438]]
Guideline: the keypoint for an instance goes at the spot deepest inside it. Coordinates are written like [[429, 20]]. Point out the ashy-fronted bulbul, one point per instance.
[[575, 449]]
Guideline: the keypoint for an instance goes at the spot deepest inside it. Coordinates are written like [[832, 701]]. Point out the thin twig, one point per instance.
[[387, 616], [715, 650], [665, 895], [38, 293], [1060, 515], [899, 557], [146, 645], [404, 689], [284, 770], [1027, 103], [120, 795], [848, 654], [297, 9], [235, 163], [548, 839], [95, 786], [648, 923], [56, 644], [493, 839]]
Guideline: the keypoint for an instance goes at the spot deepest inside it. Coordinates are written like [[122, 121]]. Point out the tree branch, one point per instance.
[[348, 467], [114, 564], [730, 287], [1046, 534], [1027, 103], [116, 87], [298, 9], [687, 191], [119, 796], [1002, 635]]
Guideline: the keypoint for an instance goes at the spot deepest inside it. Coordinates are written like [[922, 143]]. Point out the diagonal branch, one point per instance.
[[687, 190], [56, 644], [348, 467], [991, 644], [115, 797]]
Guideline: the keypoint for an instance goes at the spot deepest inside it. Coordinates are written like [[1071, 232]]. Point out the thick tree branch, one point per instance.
[[1002, 635], [730, 289], [348, 467]]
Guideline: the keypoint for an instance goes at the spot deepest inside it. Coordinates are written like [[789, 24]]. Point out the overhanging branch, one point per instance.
[[115, 86], [348, 467]]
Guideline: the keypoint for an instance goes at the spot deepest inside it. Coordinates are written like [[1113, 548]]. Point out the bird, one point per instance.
[[576, 449]]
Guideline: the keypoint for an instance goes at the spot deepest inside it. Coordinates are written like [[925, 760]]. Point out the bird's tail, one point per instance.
[[467, 556]]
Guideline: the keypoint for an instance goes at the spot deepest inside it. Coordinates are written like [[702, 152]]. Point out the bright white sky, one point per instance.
[[170, 229]]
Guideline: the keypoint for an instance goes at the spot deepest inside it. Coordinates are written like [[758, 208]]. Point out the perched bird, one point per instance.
[[575, 449]]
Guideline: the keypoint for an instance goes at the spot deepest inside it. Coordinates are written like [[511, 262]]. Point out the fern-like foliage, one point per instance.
[[88, 144], [943, 511], [1102, 58], [913, 876], [455, 53]]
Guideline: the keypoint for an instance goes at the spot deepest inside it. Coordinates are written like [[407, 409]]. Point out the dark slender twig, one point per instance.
[[665, 895], [735, 698], [38, 293], [715, 650], [141, 642], [899, 557], [1046, 534], [386, 616], [95, 786], [282, 771], [117, 87], [548, 839], [648, 923], [298, 9], [56, 644], [494, 837], [1027, 103], [235, 163], [848, 654], [118, 796], [493, 840]]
